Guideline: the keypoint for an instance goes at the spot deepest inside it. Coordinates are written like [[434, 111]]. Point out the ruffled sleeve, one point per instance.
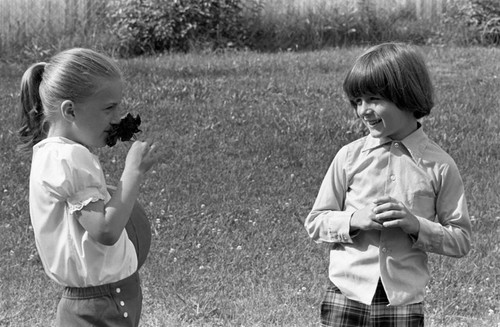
[[74, 175]]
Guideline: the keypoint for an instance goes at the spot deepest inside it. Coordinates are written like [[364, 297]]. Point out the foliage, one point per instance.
[[155, 26], [477, 20], [484, 17], [34, 31], [383, 25], [134, 27], [328, 26]]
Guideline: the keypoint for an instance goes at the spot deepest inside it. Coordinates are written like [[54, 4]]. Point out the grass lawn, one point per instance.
[[247, 139]]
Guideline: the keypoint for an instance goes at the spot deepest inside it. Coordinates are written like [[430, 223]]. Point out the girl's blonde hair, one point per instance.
[[73, 74], [395, 71]]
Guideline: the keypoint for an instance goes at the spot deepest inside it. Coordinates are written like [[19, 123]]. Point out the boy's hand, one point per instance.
[[393, 213], [365, 219]]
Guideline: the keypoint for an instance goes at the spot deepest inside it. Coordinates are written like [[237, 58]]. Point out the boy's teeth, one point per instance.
[[374, 122]]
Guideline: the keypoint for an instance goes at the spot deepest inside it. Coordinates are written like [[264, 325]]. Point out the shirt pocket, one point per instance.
[[423, 205]]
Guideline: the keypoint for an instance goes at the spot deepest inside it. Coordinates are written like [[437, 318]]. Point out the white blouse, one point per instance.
[[65, 177]]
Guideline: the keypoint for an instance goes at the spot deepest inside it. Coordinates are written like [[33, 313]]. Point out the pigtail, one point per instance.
[[32, 118]]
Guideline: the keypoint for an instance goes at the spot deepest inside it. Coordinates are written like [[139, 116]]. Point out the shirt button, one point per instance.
[[393, 178], [122, 303], [396, 145], [118, 290], [384, 250], [125, 314]]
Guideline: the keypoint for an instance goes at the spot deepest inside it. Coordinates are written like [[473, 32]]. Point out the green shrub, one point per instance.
[[152, 26], [484, 18], [474, 22], [327, 26], [401, 24]]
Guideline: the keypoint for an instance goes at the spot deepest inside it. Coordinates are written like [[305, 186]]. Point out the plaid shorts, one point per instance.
[[338, 310]]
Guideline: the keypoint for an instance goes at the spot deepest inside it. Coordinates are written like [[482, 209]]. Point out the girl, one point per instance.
[[387, 198], [67, 108]]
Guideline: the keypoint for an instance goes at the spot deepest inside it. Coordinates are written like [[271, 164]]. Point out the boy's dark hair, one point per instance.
[[395, 71]]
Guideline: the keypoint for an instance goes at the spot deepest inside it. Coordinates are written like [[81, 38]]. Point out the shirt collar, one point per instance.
[[415, 143], [374, 142]]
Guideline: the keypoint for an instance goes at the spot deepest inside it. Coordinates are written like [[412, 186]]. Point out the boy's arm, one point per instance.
[[451, 234], [327, 222]]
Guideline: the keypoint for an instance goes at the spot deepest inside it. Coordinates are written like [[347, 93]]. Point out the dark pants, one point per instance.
[[338, 310], [117, 304]]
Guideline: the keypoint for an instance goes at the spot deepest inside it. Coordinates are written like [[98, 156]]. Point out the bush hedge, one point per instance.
[[482, 17], [137, 27], [183, 25], [152, 26]]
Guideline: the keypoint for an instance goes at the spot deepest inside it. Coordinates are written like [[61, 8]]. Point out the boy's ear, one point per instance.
[[68, 110]]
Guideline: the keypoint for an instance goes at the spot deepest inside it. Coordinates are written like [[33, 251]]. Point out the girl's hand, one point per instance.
[[141, 157], [393, 213]]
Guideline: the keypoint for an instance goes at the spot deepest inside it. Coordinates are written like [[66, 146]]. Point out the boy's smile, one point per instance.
[[373, 122], [383, 118]]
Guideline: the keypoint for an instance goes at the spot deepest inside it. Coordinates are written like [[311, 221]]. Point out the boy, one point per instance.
[[387, 198]]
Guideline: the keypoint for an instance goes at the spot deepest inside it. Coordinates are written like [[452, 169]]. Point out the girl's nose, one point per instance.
[[116, 117]]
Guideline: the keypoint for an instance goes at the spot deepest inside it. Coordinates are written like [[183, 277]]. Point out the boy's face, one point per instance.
[[383, 118]]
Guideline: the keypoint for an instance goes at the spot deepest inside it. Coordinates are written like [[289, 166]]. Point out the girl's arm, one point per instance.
[[105, 222]]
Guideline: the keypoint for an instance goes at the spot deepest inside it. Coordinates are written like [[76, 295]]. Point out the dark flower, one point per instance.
[[125, 130]]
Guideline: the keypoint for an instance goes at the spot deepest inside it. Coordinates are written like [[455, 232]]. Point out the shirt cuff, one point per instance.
[[430, 236], [337, 230]]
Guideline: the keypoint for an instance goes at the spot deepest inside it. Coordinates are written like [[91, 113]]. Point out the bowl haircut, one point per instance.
[[396, 72]]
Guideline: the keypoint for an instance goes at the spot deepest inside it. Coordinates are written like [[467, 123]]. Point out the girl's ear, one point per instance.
[[68, 110]]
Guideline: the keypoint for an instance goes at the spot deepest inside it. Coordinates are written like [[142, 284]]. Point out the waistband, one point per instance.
[[380, 296], [126, 288]]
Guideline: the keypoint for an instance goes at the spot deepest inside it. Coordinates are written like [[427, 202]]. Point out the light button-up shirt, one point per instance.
[[415, 171]]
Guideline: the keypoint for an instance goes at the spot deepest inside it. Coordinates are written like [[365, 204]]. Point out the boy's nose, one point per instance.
[[364, 109]]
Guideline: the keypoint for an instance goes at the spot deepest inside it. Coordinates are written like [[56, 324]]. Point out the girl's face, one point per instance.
[[383, 118], [95, 114]]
